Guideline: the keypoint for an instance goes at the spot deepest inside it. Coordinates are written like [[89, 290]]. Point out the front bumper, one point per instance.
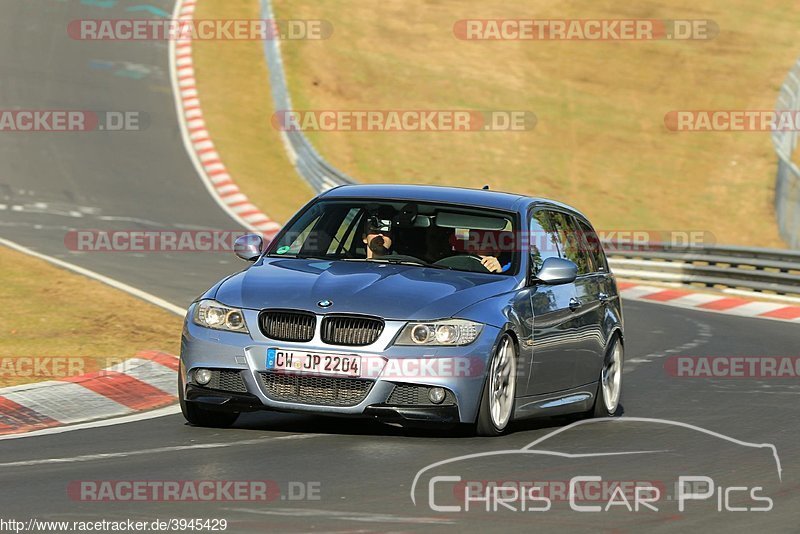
[[410, 415], [221, 400], [228, 401], [459, 370]]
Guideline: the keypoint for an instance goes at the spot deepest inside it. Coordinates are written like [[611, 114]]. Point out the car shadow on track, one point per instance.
[[314, 424]]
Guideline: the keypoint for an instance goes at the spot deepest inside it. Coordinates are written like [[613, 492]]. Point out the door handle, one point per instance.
[[574, 304], [603, 297]]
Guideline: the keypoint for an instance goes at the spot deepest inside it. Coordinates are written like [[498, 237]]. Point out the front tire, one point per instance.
[[497, 402], [609, 388], [199, 416]]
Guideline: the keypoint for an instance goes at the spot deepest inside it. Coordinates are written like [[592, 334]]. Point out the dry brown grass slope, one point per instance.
[[600, 143], [85, 325]]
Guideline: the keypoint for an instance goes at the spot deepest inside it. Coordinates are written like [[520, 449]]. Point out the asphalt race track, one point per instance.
[[123, 180], [363, 471]]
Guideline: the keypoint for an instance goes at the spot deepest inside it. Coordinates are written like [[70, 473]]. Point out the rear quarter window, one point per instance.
[[591, 243]]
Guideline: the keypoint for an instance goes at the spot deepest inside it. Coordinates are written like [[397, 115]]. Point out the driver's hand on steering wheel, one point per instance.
[[491, 263]]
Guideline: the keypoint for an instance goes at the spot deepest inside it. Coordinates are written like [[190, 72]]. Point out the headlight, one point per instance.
[[212, 314], [449, 332]]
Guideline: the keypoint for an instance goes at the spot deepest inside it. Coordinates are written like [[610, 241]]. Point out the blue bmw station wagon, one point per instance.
[[413, 305]]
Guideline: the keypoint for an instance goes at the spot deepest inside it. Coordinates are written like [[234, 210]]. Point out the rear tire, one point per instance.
[[496, 410], [199, 416], [609, 387]]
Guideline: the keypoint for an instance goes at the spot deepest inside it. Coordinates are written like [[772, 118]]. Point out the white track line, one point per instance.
[[158, 450], [182, 97], [188, 144], [140, 416], [198, 144], [116, 284], [341, 515]]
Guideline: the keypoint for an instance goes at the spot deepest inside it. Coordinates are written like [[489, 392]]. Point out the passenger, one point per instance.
[[440, 246]]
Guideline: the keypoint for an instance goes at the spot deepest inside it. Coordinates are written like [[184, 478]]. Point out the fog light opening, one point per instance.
[[436, 395], [202, 376]]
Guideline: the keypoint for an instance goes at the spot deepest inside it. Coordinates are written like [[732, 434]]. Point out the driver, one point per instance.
[[378, 237]]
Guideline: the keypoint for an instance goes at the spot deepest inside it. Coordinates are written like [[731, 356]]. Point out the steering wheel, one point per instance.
[[464, 262]]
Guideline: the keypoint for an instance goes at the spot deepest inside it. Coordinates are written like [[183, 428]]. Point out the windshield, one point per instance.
[[414, 233]]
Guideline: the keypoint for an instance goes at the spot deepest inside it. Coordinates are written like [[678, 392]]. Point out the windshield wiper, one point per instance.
[[400, 261], [393, 261], [301, 257]]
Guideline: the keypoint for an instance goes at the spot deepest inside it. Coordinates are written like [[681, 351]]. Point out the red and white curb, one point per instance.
[[686, 298], [197, 139], [145, 382]]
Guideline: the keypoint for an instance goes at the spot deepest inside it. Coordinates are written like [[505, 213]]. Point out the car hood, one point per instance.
[[386, 290]]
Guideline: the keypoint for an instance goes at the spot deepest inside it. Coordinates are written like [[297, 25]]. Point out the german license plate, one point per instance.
[[313, 362]]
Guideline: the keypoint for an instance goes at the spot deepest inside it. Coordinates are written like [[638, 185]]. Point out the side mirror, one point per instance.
[[556, 271], [248, 247]]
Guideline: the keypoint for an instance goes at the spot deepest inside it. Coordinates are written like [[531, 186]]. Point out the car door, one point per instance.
[[589, 314], [554, 325]]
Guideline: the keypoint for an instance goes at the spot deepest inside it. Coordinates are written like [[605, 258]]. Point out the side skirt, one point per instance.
[[580, 399]]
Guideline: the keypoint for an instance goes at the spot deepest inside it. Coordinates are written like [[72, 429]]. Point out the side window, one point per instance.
[[544, 238], [591, 243], [560, 235], [575, 246]]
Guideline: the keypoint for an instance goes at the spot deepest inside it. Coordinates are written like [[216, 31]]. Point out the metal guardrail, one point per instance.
[[765, 270], [787, 181], [312, 167], [772, 271]]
